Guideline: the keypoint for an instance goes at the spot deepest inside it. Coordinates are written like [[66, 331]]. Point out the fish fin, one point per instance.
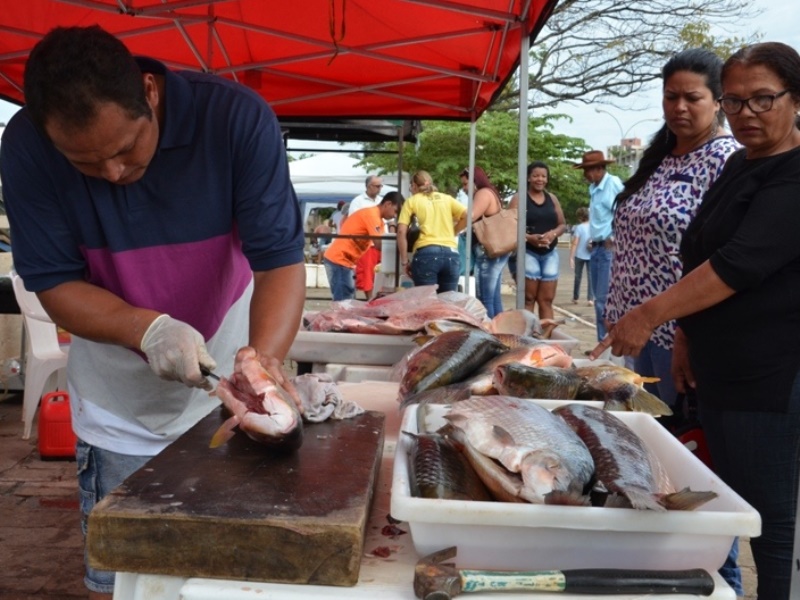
[[643, 401], [686, 499], [642, 500], [612, 404], [566, 498], [616, 501], [640, 379], [224, 433], [502, 436]]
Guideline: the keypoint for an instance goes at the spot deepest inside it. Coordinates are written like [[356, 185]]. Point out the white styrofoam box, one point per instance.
[[349, 348], [354, 373], [501, 535], [566, 341]]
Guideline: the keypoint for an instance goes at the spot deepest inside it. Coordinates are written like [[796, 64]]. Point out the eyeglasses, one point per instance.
[[377, 185], [757, 104]]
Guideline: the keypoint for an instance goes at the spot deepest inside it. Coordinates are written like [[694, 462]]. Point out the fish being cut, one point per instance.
[[260, 407], [447, 358], [440, 470], [624, 465], [548, 461]]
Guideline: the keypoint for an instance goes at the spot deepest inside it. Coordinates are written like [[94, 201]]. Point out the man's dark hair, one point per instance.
[[395, 198], [72, 69]]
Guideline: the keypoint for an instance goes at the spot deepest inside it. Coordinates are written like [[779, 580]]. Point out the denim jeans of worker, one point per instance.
[[434, 265], [599, 276], [656, 361], [576, 289], [758, 455], [488, 278], [341, 280], [542, 267], [99, 472]]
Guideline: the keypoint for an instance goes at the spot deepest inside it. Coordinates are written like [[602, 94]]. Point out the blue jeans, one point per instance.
[[462, 253], [576, 290], [433, 265], [758, 455], [488, 275], [341, 279], [99, 472], [655, 361], [599, 276]]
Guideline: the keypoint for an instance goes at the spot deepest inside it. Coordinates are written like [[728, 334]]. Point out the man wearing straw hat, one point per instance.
[[603, 189]]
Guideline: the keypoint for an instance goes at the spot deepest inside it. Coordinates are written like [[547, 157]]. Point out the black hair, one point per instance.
[[394, 198], [537, 164], [781, 59], [695, 60], [72, 69]]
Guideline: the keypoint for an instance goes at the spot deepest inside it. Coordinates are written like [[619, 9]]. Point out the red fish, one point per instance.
[[261, 408]]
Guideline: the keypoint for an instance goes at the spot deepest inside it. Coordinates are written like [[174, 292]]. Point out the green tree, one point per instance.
[[443, 150]]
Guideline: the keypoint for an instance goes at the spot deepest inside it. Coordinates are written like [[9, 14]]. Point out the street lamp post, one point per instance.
[[622, 134]]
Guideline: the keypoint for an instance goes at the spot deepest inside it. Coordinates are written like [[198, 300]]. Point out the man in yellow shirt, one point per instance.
[[342, 255]]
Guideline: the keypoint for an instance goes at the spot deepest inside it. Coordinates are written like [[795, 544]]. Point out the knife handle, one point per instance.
[[634, 581]]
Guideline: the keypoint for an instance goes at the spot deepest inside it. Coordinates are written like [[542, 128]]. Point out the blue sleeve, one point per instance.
[[266, 207]]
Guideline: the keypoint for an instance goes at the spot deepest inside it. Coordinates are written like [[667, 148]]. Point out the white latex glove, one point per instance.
[[176, 350]]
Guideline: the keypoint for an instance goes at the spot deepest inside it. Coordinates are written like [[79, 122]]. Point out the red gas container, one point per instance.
[[56, 439]]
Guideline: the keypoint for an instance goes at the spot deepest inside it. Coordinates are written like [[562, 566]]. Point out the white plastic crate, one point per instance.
[[504, 535]]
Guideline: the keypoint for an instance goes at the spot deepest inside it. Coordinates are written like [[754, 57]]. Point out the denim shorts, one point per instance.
[[543, 267], [99, 472]]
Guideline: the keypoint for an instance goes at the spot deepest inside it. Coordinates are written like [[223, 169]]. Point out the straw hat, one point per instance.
[[593, 158]]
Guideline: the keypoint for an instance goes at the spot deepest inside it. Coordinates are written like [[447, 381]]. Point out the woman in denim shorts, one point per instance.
[[544, 223]]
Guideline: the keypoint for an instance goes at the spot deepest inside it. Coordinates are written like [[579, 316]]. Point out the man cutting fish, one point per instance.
[[153, 215]]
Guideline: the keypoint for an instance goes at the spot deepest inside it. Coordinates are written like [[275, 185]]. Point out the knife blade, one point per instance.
[[208, 373]]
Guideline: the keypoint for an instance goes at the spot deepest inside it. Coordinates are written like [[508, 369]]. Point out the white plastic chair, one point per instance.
[[45, 361]]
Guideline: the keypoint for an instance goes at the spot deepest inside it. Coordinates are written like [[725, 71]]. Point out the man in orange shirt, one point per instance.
[[342, 255]]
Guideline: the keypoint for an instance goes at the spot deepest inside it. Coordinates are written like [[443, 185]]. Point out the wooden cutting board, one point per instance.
[[241, 511]]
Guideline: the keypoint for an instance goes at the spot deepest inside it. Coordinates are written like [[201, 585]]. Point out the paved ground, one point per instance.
[[40, 542]]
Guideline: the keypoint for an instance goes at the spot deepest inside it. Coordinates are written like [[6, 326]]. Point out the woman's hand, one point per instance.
[[627, 336]]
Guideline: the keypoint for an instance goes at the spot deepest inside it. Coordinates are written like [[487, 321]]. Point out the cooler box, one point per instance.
[[56, 439]]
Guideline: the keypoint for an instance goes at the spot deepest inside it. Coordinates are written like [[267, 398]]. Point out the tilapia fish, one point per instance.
[[543, 460], [524, 381], [620, 389], [481, 382], [624, 466], [440, 470], [447, 358], [260, 407]]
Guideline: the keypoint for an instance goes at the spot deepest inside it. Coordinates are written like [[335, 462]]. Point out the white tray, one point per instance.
[[525, 536]]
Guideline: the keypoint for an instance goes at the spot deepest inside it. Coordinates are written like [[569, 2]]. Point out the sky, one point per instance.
[[642, 116]]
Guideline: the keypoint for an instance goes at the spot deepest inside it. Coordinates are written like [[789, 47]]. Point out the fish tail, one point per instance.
[[643, 401], [686, 499]]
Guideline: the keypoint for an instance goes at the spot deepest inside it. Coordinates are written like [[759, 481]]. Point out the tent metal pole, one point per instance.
[[522, 161], [473, 130], [399, 189]]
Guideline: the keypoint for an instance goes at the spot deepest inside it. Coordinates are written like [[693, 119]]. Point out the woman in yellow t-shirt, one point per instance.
[[440, 218]]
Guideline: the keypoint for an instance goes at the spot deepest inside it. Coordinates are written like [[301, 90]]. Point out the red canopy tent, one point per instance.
[[401, 59]]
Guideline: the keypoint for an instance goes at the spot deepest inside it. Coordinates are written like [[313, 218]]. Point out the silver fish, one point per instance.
[[554, 464]]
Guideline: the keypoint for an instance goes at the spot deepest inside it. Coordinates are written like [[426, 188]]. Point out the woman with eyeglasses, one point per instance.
[[738, 305]]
